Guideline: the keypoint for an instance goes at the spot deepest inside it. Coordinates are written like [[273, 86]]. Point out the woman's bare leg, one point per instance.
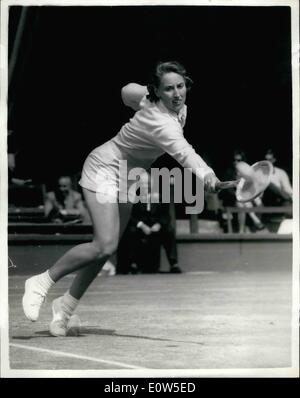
[[105, 219], [86, 275], [63, 307], [106, 223]]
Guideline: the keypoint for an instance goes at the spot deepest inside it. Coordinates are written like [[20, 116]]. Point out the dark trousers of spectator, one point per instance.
[[168, 241], [126, 253], [148, 248], [148, 253], [144, 250], [141, 250]]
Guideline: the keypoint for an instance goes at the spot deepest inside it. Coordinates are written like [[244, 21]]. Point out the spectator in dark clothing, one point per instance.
[[22, 192], [11, 160], [152, 225]]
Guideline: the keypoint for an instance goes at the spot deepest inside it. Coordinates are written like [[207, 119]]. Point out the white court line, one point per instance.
[[201, 272], [69, 355]]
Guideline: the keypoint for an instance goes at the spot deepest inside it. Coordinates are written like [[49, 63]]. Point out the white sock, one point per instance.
[[69, 303], [45, 282]]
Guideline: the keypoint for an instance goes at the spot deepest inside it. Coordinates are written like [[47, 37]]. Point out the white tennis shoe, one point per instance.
[[63, 324], [33, 299]]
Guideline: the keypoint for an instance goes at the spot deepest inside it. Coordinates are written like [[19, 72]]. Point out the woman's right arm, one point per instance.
[[172, 141], [132, 95]]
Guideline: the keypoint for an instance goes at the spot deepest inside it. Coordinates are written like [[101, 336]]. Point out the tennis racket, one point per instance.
[[254, 180]]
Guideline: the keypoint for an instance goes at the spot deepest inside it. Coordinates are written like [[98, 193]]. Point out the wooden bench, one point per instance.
[[229, 211]]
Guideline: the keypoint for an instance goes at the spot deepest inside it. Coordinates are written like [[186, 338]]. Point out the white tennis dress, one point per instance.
[[152, 131]]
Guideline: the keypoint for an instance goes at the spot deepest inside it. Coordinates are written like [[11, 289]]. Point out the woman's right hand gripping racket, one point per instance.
[[254, 180]]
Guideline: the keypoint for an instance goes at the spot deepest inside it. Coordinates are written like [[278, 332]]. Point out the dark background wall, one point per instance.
[[73, 61]]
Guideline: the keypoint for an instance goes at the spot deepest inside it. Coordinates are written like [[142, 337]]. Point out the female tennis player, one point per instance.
[[155, 128]]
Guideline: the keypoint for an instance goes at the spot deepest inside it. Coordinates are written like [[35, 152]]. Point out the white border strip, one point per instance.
[[296, 195], [265, 3], [282, 372], [155, 373], [3, 187]]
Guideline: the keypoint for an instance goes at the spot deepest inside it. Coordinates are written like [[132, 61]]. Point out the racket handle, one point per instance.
[[226, 184]]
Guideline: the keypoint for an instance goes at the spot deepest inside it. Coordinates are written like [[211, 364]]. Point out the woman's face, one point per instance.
[[172, 91]]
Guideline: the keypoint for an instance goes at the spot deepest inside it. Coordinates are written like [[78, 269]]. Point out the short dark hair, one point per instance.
[[270, 152], [241, 153], [160, 69], [65, 176]]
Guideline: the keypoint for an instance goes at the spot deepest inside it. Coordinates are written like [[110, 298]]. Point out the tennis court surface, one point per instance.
[[196, 320]]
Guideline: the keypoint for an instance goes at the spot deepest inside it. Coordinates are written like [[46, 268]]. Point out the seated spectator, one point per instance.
[[22, 192], [151, 226], [229, 199], [65, 204], [280, 191], [11, 161], [12, 179]]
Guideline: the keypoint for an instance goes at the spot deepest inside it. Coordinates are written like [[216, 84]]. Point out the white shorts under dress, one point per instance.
[[104, 173]]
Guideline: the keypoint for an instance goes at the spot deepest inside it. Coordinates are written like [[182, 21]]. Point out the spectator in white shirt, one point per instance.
[[280, 191]]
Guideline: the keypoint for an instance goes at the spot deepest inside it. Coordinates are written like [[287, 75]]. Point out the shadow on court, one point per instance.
[[230, 309], [209, 320], [85, 332]]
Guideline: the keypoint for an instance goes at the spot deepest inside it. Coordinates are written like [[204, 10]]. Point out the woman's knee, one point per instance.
[[105, 248]]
